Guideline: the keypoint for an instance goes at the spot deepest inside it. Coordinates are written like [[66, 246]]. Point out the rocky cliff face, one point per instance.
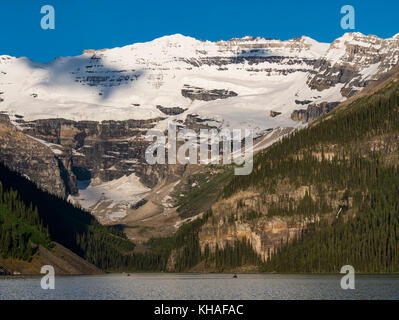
[[107, 150], [33, 159], [354, 60], [236, 218], [95, 159], [264, 236], [313, 111]]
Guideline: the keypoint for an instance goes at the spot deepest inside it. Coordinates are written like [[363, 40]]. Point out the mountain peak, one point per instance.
[[350, 36], [175, 38]]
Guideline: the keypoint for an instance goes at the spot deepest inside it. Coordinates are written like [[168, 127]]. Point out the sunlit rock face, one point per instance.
[[33, 159]]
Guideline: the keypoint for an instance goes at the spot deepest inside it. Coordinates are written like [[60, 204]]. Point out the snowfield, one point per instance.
[[110, 199], [129, 82]]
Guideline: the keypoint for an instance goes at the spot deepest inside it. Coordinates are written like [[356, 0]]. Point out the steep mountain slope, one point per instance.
[[33, 159], [93, 110], [38, 226], [25, 241], [323, 197]]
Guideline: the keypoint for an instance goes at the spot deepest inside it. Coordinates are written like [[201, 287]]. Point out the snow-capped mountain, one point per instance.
[[255, 74], [92, 109]]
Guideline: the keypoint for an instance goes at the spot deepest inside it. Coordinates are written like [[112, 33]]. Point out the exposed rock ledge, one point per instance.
[[313, 111], [31, 158], [196, 93], [171, 111]]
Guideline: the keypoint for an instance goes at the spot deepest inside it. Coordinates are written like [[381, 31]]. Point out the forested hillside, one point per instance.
[[21, 229], [348, 165], [30, 217]]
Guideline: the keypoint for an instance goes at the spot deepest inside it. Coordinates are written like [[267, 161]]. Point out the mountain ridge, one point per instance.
[[179, 36], [109, 80], [92, 111]]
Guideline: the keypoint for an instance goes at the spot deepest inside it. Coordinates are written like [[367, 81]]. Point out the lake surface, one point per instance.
[[200, 286]]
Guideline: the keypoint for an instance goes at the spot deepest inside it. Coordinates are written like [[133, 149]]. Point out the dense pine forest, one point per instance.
[[21, 230], [346, 130], [350, 161], [30, 217]]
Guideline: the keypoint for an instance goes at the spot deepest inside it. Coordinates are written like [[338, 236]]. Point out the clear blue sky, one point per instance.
[[96, 24]]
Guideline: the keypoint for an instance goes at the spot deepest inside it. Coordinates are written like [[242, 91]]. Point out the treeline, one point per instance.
[[305, 207], [26, 207], [367, 117], [366, 233], [366, 237], [231, 256], [369, 242], [21, 229]]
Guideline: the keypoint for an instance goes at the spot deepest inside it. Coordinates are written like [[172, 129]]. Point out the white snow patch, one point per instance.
[[109, 200]]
